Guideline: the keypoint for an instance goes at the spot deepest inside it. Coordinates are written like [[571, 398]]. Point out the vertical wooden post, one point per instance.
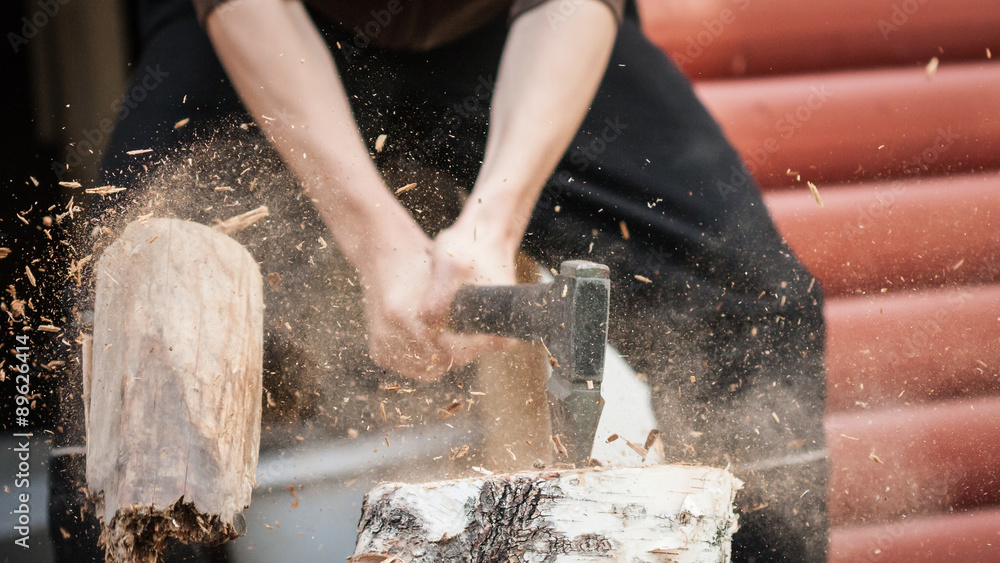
[[173, 395]]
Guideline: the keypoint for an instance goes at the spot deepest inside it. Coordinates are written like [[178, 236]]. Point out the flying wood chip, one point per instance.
[[651, 438], [560, 448], [452, 409], [243, 220], [406, 188], [815, 193], [931, 67], [104, 190]]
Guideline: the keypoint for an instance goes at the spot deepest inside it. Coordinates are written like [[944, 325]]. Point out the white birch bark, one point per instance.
[[659, 513]]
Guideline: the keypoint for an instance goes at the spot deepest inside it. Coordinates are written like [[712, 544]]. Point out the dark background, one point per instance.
[[56, 86]]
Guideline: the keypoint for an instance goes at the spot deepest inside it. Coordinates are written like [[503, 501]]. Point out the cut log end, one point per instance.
[[657, 513], [139, 534]]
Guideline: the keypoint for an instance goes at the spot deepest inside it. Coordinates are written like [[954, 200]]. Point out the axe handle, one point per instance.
[[516, 311]]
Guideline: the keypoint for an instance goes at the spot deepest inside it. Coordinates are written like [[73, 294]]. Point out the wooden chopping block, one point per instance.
[[173, 394], [660, 513]]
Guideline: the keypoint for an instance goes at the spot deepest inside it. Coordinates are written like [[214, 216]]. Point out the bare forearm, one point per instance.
[[548, 76], [287, 79]]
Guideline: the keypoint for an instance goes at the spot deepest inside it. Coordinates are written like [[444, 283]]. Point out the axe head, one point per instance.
[[569, 315]]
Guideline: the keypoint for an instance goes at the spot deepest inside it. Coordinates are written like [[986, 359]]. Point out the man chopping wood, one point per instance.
[[576, 138]]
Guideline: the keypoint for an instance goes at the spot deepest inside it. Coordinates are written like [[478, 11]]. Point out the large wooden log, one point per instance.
[[173, 396], [658, 513]]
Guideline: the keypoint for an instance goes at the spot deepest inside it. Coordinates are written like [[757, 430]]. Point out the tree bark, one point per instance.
[[173, 395], [658, 513]]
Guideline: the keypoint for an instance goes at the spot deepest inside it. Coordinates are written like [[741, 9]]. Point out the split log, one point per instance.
[[658, 513], [514, 411], [173, 396]]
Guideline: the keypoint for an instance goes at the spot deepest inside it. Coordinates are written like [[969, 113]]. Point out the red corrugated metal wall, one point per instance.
[[905, 154]]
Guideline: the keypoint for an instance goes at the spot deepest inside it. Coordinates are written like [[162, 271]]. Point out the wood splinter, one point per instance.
[[242, 221]]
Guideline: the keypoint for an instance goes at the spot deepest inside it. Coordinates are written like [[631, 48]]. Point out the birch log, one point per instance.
[[659, 513], [173, 395]]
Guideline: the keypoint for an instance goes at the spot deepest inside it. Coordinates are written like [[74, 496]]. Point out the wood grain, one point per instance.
[[173, 409]]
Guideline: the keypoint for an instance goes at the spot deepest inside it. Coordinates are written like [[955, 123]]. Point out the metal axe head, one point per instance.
[[570, 316]]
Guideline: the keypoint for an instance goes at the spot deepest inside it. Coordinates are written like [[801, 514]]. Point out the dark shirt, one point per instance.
[[421, 24]]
